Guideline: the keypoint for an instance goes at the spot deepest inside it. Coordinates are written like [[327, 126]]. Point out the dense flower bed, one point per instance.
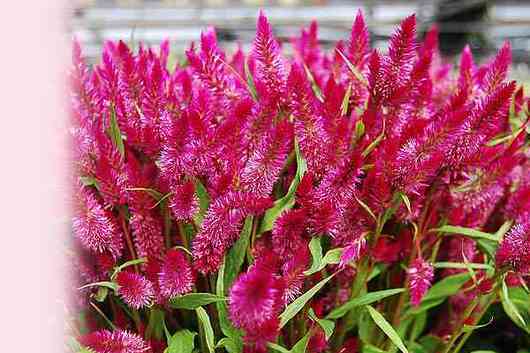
[[325, 202]]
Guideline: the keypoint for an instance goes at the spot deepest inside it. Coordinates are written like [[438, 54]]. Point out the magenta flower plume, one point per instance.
[[184, 203], [254, 298], [95, 227], [420, 274], [265, 164], [119, 341], [135, 290], [359, 44], [514, 250], [270, 71], [288, 231], [176, 275], [221, 227]]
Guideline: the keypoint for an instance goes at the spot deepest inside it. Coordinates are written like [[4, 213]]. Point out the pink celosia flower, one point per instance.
[[176, 275], [255, 301], [420, 274], [135, 290], [95, 227], [255, 298], [118, 341], [221, 226], [514, 250], [184, 203]]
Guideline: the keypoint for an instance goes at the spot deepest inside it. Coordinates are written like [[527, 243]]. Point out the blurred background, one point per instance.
[[484, 24]]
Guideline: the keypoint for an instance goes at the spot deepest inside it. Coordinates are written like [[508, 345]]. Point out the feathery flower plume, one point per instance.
[[95, 227], [420, 274], [135, 290], [359, 43], [514, 250], [176, 275], [255, 301], [221, 227], [265, 164], [270, 71], [184, 203], [119, 341]]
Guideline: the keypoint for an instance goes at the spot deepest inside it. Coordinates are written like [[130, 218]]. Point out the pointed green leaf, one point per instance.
[[287, 201], [292, 309], [327, 325], [204, 201], [386, 328], [194, 300], [115, 133], [182, 341], [236, 255], [510, 308], [301, 345], [110, 285], [206, 326], [366, 299], [470, 232]]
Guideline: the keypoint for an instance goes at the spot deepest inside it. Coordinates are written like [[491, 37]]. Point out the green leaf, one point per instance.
[[204, 201], [301, 345], [375, 142], [250, 82], [115, 133], [386, 328], [431, 344], [287, 201], [319, 262], [182, 341], [370, 348], [418, 326], [233, 334], [278, 348], [230, 345], [359, 129], [366, 299], [469, 328], [88, 181], [489, 247], [345, 101], [206, 326], [473, 233], [133, 262], [101, 294], [483, 352], [406, 201], [316, 253], [194, 300], [356, 73], [107, 284], [236, 255], [155, 326], [511, 310], [460, 265], [327, 325], [292, 309]]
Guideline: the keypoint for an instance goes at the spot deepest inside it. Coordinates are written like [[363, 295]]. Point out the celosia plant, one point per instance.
[[324, 202]]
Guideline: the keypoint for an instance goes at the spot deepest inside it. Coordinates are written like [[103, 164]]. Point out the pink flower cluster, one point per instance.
[[370, 153]]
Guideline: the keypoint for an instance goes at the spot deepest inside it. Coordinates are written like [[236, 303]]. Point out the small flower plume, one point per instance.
[[105, 341], [95, 227], [420, 274], [514, 250], [176, 275], [135, 290]]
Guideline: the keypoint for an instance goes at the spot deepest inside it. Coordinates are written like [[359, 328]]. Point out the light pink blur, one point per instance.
[[34, 216]]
